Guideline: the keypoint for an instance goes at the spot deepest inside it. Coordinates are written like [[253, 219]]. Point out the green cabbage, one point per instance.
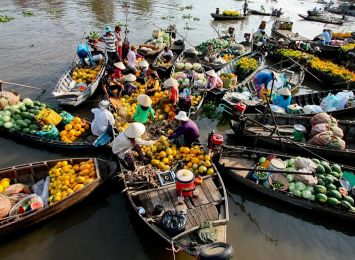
[[291, 187], [8, 125]]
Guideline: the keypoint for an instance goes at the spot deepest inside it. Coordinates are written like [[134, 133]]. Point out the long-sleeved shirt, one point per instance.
[[213, 82], [131, 59], [189, 130], [129, 88], [142, 115], [280, 101], [122, 144], [326, 38], [102, 119], [83, 51]]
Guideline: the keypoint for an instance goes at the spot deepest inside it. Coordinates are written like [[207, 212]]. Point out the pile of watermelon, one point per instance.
[[21, 116]]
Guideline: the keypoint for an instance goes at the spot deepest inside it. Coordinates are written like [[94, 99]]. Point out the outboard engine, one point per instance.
[[214, 144], [239, 110]]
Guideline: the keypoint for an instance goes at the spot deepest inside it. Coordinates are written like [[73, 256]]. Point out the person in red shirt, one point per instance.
[[119, 66], [173, 87]]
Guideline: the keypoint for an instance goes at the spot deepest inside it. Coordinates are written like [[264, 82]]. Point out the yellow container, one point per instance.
[[48, 116]]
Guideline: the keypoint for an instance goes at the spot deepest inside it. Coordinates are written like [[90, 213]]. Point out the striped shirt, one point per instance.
[[110, 41]]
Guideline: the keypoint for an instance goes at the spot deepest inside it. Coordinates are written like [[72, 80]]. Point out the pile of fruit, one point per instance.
[[195, 100], [74, 130], [65, 179], [341, 35], [4, 183], [228, 57], [85, 75], [229, 80], [218, 44], [296, 55], [231, 13], [348, 47], [245, 66]]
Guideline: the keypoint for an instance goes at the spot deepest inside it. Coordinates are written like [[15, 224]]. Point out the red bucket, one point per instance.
[[185, 183]]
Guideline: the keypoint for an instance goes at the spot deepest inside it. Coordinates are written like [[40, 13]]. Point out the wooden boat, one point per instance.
[[321, 19], [234, 158], [211, 205], [187, 56], [343, 9], [282, 28], [227, 17], [248, 126], [31, 173], [257, 12], [62, 91], [164, 69], [85, 142], [295, 77]]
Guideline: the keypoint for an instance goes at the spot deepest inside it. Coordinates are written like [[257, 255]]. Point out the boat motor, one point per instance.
[[215, 141], [239, 110]]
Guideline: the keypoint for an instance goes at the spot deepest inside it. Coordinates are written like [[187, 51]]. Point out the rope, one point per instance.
[[173, 249]]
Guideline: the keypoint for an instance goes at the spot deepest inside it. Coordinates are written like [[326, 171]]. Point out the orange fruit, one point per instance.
[[86, 126], [77, 133], [68, 127], [72, 132], [73, 138], [82, 130]]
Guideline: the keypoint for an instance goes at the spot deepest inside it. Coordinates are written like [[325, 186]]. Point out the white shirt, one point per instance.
[[131, 59], [167, 53], [121, 145], [102, 118]]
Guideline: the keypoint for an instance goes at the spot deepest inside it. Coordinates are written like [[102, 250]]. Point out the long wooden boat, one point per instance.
[[227, 17], [253, 131], [164, 69], [188, 56], [234, 158], [31, 173], [62, 91], [321, 19], [210, 206], [257, 12]]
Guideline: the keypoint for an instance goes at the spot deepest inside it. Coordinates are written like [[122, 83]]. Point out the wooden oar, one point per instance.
[[21, 85], [265, 170]]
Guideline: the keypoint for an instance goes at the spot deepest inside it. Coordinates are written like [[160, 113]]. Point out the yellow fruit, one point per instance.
[[202, 169], [161, 165], [208, 164], [77, 120], [5, 183], [76, 167], [84, 166], [1, 188], [207, 157], [162, 154], [68, 127], [195, 166], [165, 160], [195, 160], [154, 162], [78, 187], [80, 179], [84, 172], [210, 171], [88, 181]]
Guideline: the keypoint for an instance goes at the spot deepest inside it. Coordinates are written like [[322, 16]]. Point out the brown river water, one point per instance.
[[37, 50]]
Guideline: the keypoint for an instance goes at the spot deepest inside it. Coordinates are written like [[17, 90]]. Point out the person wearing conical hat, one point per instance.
[[129, 141], [119, 66], [282, 98], [173, 87], [213, 81], [128, 87], [144, 109], [102, 118], [187, 129]]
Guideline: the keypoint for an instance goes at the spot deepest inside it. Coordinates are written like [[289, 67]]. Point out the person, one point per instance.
[[144, 67], [217, 11], [330, 34], [173, 87], [187, 129], [111, 45], [167, 55], [153, 84], [144, 109], [326, 37], [103, 118], [119, 66], [119, 40], [129, 141], [263, 37], [213, 81], [132, 59], [245, 7], [209, 54], [262, 26], [282, 98], [231, 34], [152, 70], [84, 52], [279, 12], [129, 88], [110, 85], [262, 79]]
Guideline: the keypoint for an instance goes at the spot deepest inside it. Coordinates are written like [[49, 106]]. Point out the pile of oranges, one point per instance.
[[65, 178], [196, 160], [74, 130]]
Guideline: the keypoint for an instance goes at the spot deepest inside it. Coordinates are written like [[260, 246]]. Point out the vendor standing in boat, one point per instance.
[[144, 109], [213, 81], [84, 52], [128, 142], [111, 45], [245, 7], [187, 129], [132, 59], [262, 79], [119, 40], [173, 87], [102, 118], [128, 87], [326, 37], [167, 55], [282, 98]]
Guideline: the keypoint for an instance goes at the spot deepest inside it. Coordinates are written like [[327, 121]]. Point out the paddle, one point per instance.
[[21, 85]]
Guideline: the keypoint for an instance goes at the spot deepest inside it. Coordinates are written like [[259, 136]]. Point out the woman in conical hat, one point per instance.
[[213, 81], [144, 109], [282, 98]]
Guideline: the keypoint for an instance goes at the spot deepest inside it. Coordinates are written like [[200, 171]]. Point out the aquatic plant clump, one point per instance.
[[5, 18], [27, 13]]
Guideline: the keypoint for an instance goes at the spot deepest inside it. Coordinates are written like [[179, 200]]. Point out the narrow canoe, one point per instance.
[[31, 173], [242, 157], [66, 97], [227, 17], [211, 205], [256, 12], [254, 132], [321, 19]]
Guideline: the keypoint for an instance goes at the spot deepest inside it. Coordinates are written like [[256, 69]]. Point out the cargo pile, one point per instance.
[[231, 13], [218, 44], [85, 75]]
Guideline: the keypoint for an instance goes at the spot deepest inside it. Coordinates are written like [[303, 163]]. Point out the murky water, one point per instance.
[[37, 50]]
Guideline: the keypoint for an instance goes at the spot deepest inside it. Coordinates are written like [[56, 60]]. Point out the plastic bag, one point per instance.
[[41, 189], [67, 117], [320, 118], [319, 128], [306, 179], [49, 131], [330, 102], [312, 109], [343, 97]]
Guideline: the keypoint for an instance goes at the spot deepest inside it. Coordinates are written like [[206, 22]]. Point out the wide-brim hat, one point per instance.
[[284, 92], [104, 104], [144, 64], [169, 83], [119, 65], [134, 130], [107, 29], [130, 77], [211, 73], [182, 116], [144, 100]]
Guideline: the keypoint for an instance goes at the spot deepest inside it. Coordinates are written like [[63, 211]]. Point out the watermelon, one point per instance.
[[321, 197], [316, 161], [8, 125], [320, 169], [2, 123], [33, 132], [335, 194], [349, 199], [345, 204], [306, 194], [336, 168], [36, 205], [6, 118], [333, 201], [297, 193], [320, 189], [26, 130], [331, 187], [326, 167]]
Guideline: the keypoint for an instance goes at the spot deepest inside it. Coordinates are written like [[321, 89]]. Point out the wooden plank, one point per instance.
[[188, 203], [216, 195], [207, 193], [155, 200], [146, 203], [212, 211], [190, 217], [196, 215], [203, 213], [202, 196], [165, 200], [173, 197]]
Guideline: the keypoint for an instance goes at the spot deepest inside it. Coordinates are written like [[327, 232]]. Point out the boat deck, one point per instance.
[[199, 209]]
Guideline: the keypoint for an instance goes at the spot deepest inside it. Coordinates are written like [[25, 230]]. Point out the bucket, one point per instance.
[[277, 165], [185, 183]]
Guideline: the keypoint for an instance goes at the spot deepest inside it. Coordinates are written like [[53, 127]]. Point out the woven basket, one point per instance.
[[17, 188], [5, 206], [282, 179]]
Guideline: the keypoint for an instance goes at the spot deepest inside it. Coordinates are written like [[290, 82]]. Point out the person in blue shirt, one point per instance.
[[326, 37], [262, 79], [83, 52], [282, 98]]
